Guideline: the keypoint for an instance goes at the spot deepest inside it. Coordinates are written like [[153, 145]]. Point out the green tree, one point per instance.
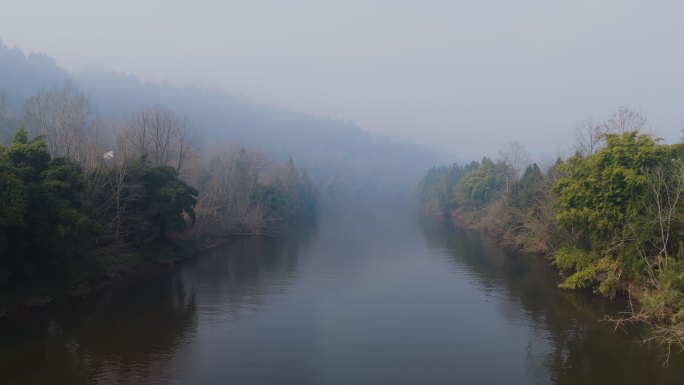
[[44, 233], [526, 193], [482, 185], [164, 201], [435, 190], [600, 204]]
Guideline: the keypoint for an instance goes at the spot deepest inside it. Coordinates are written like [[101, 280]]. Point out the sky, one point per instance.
[[463, 76]]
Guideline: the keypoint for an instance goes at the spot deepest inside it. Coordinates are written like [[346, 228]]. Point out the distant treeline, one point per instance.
[[81, 202], [610, 218]]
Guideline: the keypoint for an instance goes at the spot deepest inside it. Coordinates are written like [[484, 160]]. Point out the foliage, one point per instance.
[[435, 190], [239, 192], [482, 185], [77, 208], [600, 205], [527, 191], [530, 216], [44, 235], [164, 199], [290, 194], [611, 217]]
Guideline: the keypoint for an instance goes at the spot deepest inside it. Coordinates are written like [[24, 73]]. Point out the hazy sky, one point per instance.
[[466, 76]]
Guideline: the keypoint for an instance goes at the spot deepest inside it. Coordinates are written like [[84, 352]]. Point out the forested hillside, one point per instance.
[[345, 161], [609, 218]]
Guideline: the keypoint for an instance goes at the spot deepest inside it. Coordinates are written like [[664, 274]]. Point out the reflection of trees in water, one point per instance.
[[122, 334], [583, 350], [243, 273], [131, 332]]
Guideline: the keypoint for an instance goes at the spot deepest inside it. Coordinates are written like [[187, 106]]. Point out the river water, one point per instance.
[[361, 297]]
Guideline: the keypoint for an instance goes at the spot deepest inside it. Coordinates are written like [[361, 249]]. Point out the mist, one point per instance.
[[463, 77], [358, 192], [345, 161]]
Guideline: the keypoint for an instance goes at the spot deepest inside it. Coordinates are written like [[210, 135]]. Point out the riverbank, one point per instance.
[[643, 307], [111, 267], [176, 253]]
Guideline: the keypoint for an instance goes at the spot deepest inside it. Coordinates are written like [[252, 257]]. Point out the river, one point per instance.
[[360, 297]]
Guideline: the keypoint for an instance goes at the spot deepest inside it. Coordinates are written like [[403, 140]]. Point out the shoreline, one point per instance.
[[629, 291], [37, 301]]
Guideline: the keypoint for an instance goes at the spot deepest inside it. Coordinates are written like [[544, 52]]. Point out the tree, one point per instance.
[[8, 123], [44, 234], [289, 194], [13, 206], [599, 198], [165, 137], [228, 199], [624, 120], [482, 185], [65, 119], [532, 211], [435, 190], [516, 156], [589, 136], [164, 200], [111, 196], [526, 192]]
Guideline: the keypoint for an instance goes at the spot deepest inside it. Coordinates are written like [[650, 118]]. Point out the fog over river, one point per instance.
[[365, 296]]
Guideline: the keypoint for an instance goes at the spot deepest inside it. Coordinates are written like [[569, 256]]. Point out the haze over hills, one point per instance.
[[344, 159], [21, 74]]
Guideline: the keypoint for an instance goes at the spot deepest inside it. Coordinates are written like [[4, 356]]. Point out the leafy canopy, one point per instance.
[[599, 199]]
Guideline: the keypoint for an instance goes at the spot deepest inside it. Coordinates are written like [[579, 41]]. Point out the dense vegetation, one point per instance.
[[81, 202], [610, 217]]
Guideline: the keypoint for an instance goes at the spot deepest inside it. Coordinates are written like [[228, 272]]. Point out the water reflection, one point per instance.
[[93, 340], [239, 277], [138, 330], [369, 297], [582, 349]]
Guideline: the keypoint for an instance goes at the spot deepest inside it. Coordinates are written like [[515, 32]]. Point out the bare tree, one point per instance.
[[120, 219], [589, 136], [161, 134], [623, 120], [666, 189], [122, 196], [227, 183], [516, 156], [67, 122], [662, 211]]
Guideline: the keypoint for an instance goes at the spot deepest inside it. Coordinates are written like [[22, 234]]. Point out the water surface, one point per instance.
[[362, 297]]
